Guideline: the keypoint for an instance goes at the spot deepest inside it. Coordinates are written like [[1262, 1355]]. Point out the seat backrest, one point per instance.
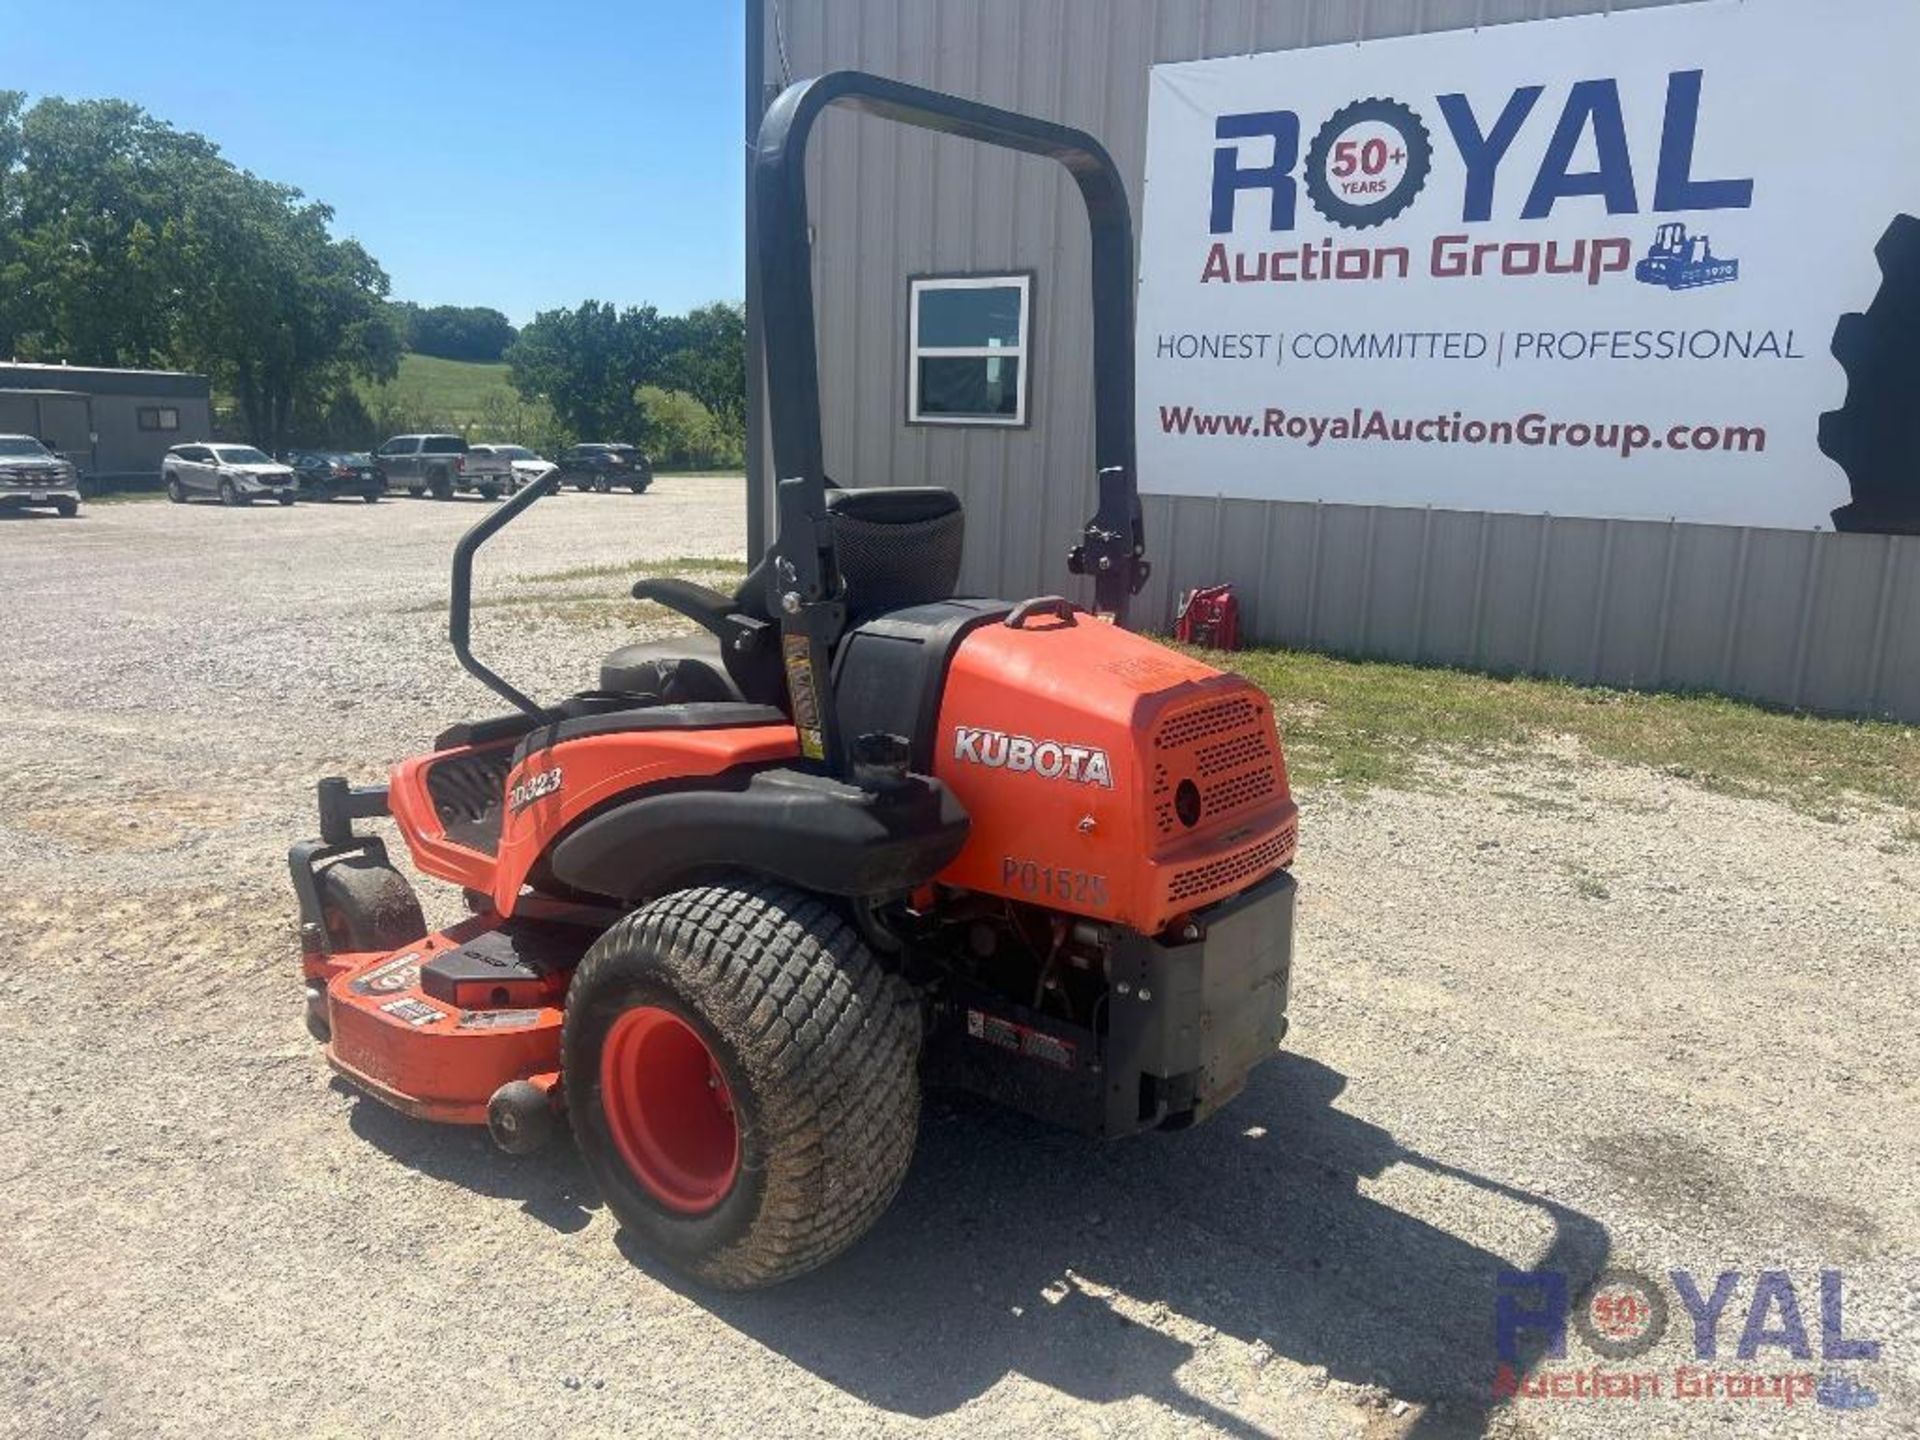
[[897, 546]]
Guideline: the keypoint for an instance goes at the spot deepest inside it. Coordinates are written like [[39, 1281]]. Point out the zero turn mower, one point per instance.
[[737, 904]]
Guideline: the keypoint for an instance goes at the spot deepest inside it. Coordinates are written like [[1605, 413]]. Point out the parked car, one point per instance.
[[329, 474], [436, 465], [31, 474], [238, 474], [488, 472], [527, 466], [602, 467]]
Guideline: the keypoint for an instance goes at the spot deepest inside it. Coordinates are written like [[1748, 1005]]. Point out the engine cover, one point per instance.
[[1106, 775]]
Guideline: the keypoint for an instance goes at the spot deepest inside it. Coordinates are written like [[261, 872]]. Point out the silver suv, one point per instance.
[[31, 474], [237, 474]]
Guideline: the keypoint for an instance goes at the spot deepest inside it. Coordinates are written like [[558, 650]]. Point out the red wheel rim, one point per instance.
[[669, 1110]]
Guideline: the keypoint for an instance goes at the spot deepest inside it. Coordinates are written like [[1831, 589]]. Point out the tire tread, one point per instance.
[[829, 1039]]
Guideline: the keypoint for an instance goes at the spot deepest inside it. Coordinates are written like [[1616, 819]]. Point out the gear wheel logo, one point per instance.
[[1368, 163], [1875, 435], [1622, 1314]]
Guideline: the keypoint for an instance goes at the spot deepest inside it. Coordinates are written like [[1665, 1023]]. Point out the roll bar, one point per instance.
[[804, 582]]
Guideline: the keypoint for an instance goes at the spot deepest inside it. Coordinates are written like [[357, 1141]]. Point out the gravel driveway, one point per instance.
[[1549, 1014]]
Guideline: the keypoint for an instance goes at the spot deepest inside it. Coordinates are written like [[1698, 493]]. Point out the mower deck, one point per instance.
[[435, 1028]]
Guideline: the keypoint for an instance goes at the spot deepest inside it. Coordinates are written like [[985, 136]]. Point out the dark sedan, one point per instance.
[[602, 467], [329, 474]]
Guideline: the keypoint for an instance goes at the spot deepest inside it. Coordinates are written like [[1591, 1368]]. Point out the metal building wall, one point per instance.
[[1826, 621]]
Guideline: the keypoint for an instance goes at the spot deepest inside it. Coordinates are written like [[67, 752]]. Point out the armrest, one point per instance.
[[708, 609]]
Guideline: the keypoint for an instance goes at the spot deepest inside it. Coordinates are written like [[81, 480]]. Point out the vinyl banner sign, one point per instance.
[[1595, 266]]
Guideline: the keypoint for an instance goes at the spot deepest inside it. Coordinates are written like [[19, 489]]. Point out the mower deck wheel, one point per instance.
[[520, 1117], [365, 905], [319, 1022], [741, 1077]]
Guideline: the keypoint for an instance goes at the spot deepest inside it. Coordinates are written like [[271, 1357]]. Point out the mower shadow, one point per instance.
[[1254, 1225], [552, 1187]]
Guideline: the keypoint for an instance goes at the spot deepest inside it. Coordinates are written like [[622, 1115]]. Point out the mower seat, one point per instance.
[[897, 546], [680, 670]]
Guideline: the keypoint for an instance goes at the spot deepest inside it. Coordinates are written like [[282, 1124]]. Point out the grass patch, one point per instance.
[[1588, 885], [1537, 804], [1366, 723], [462, 392], [688, 566], [536, 594]]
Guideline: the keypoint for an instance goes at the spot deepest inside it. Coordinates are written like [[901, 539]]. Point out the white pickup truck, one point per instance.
[[524, 466]]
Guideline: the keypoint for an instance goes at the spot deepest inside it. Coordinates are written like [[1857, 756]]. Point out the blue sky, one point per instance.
[[509, 154]]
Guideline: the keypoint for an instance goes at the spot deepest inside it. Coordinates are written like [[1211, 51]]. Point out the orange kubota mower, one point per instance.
[[736, 905]]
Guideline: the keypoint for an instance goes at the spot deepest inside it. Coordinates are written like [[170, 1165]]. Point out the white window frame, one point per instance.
[[1021, 353]]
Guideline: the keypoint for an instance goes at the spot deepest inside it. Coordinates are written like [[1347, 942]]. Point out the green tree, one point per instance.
[[680, 431], [124, 241], [590, 362], [587, 362], [709, 358], [458, 332], [13, 271]]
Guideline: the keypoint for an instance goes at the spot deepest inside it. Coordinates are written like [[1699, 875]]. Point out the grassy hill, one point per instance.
[[457, 393]]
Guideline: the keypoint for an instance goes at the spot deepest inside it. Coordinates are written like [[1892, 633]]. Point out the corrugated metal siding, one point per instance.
[[1821, 620]]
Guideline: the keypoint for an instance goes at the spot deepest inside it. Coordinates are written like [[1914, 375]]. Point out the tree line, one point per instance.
[[454, 332], [127, 242], [124, 241], [675, 383]]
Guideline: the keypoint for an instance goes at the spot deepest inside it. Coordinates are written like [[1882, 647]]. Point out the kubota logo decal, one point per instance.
[[1049, 759]]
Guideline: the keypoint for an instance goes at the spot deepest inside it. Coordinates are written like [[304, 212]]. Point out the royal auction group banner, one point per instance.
[[1606, 266]]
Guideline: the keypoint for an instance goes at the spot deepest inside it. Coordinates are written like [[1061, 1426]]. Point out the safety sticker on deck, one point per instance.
[[414, 1012]]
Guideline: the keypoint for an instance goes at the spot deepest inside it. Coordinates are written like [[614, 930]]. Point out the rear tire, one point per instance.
[[602, 485], [762, 1070], [416, 491], [489, 492], [366, 905], [440, 486], [371, 498]]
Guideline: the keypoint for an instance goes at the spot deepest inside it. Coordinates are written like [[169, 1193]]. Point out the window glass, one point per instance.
[[19, 447], [989, 317], [157, 417], [444, 445], [968, 336], [951, 385]]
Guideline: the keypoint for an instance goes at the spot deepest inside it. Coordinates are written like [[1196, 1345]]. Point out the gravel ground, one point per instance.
[[1553, 1013]]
